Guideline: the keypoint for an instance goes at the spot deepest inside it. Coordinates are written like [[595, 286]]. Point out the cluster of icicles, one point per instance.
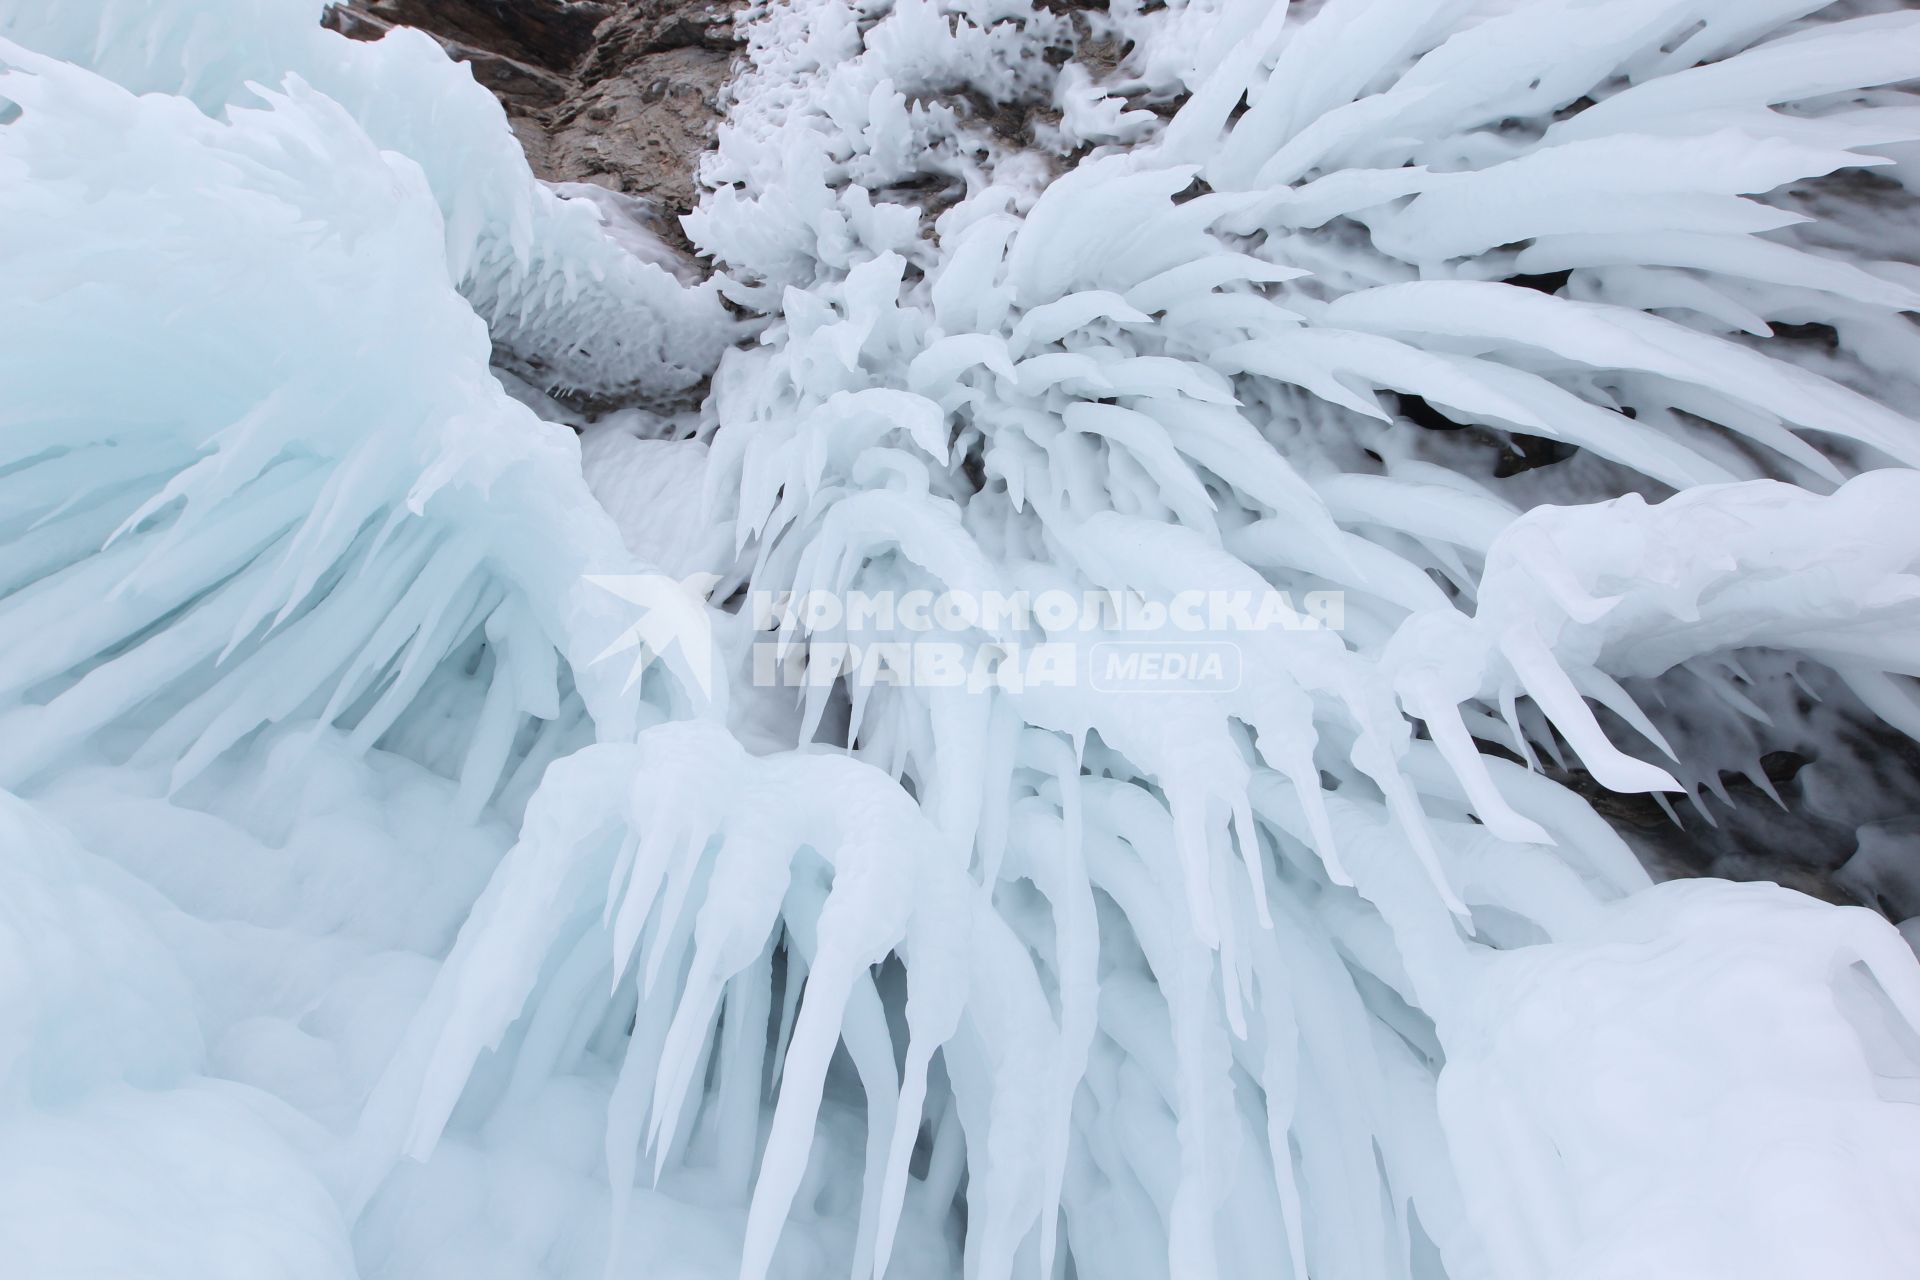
[[1317, 976]]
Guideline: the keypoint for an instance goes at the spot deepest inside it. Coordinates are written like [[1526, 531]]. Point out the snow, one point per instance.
[[366, 917], [1776, 1078]]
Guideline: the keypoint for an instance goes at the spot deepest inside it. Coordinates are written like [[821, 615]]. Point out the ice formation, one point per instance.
[[364, 917]]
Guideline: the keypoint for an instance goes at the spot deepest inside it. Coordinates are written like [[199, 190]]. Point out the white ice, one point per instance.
[[364, 916]]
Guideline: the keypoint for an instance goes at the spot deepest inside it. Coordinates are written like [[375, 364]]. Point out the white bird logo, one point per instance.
[[672, 612]]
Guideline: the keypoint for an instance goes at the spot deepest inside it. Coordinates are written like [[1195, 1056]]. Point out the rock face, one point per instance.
[[620, 93]]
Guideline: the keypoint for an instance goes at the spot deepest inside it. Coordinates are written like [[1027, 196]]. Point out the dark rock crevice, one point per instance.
[[620, 93]]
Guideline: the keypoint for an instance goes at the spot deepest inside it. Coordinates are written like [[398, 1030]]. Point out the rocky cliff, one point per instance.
[[624, 95]]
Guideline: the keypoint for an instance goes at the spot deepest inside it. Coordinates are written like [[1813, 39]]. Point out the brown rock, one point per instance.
[[642, 131], [554, 35], [645, 27], [620, 93]]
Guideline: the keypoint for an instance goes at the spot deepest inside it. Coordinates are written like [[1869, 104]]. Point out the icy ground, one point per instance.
[[364, 913]]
